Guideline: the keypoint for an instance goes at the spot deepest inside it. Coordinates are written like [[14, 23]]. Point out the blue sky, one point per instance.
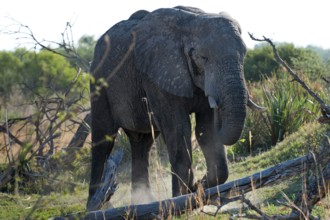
[[300, 22]]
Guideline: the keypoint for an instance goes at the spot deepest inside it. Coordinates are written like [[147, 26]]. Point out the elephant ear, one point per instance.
[[159, 52]]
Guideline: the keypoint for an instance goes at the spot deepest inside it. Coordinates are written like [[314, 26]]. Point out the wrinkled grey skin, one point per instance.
[[183, 60]]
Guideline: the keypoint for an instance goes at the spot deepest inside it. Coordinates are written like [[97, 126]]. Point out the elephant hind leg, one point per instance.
[[140, 148]]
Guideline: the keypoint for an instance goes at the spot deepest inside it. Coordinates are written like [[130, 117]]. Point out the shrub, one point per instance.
[[288, 108]]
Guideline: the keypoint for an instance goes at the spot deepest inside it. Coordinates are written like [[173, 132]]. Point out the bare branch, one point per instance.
[[67, 44], [253, 207], [11, 136]]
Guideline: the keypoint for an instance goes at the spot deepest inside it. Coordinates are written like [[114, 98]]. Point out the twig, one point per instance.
[[67, 43], [72, 83], [11, 136], [253, 207], [9, 141], [150, 117]]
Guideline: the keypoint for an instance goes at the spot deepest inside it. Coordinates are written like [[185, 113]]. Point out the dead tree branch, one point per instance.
[[11, 136], [254, 208], [325, 109]]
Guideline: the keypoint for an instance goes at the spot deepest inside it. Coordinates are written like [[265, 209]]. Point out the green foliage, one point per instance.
[[289, 107], [260, 63], [46, 72], [9, 73], [42, 72], [309, 63], [81, 165], [309, 137], [324, 53], [35, 207], [85, 47]]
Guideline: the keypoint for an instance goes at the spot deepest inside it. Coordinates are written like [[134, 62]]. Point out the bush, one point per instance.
[[260, 63], [288, 108]]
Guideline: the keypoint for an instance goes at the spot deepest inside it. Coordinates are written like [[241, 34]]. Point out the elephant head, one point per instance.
[[197, 50]]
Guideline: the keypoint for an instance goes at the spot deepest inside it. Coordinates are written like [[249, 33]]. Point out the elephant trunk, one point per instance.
[[229, 100]]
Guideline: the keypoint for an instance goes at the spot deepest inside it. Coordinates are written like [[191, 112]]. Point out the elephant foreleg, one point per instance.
[[171, 115], [177, 138], [140, 147], [213, 149]]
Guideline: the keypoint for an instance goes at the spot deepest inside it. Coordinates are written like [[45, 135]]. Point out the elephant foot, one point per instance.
[[203, 183], [142, 195], [199, 185]]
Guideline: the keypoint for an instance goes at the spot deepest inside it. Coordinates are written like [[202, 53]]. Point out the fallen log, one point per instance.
[[221, 194]]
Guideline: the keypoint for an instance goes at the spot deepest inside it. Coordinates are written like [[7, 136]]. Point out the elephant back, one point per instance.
[[113, 46], [138, 15], [190, 9]]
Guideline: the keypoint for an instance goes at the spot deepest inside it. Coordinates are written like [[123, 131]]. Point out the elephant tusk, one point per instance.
[[212, 102], [255, 107]]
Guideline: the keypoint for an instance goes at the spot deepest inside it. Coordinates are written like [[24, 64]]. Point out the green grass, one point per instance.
[[64, 202], [309, 137], [40, 207]]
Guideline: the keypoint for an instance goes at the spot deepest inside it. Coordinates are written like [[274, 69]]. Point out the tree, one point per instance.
[[304, 60], [9, 73], [45, 72], [259, 62], [86, 46]]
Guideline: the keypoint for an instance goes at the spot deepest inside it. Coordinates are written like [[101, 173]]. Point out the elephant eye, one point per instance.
[[205, 59]]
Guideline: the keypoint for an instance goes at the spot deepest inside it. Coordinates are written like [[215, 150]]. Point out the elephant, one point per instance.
[[159, 68]]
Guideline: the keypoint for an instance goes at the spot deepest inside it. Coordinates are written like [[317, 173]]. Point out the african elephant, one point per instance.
[[170, 62]]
